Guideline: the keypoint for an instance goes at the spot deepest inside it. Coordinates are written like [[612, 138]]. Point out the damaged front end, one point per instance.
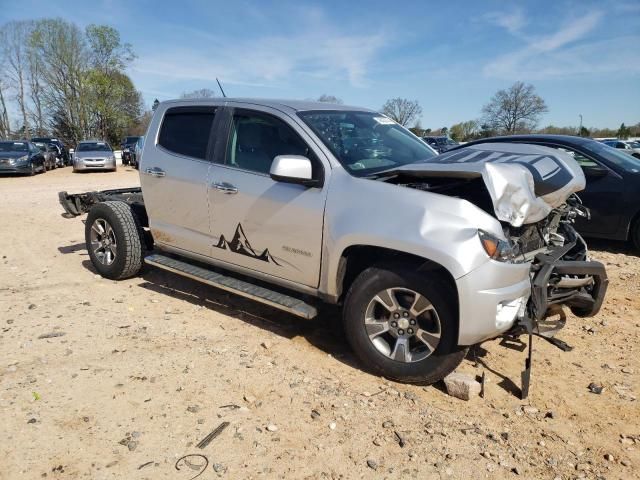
[[562, 274], [531, 191]]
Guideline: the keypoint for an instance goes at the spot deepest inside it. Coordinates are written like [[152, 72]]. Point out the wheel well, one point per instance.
[[634, 221], [358, 258]]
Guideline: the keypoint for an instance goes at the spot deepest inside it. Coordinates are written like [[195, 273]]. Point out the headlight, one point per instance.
[[496, 248], [21, 159]]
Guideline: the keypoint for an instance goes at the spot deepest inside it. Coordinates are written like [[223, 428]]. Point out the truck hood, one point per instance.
[[525, 182]]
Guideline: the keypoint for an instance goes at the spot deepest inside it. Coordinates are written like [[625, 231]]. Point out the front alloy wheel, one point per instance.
[[403, 325], [103, 241], [402, 322]]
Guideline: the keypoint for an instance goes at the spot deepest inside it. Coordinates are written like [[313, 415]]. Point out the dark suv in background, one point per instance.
[[440, 144], [62, 154], [128, 146]]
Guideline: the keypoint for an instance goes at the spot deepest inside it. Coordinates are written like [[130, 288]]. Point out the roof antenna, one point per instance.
[[220, 85]]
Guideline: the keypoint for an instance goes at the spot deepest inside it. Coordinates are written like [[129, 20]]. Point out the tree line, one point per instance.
[[516, 110], [66, 82]]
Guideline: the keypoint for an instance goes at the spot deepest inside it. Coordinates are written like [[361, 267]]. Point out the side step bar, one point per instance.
[[269, 297]]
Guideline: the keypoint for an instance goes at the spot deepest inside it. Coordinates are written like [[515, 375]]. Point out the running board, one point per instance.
[[254, 292]]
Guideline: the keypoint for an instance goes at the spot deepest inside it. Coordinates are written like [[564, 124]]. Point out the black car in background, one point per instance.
[[21, 157], [624, 146], [440, 144], [50, 153], [128, 146], [136, 152], [63, 153], [612, 193]]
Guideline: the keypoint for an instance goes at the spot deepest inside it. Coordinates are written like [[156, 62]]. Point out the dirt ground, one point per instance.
[[143, 369]]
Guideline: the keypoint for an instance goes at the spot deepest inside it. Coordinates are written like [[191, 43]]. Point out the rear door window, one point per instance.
[[187, 131]]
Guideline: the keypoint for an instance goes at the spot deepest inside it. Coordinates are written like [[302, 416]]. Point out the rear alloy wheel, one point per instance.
[[114, 240], [402, 323], [103, 241]]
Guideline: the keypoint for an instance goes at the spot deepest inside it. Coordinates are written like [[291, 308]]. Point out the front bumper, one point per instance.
[[481, 293], [81, 166], [496, 296], [580, 285], [21, 168]]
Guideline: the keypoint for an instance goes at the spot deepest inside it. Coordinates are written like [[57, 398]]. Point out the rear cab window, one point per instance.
[[187, 131]]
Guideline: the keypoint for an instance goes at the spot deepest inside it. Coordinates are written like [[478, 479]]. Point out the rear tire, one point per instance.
[[114, 240], [381, 354]]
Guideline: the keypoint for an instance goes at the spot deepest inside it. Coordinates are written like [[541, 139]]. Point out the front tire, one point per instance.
[[402, 324], [114, 240]]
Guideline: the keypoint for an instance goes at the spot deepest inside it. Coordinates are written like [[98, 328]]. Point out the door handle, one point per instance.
[[225, 187], [155, 172]]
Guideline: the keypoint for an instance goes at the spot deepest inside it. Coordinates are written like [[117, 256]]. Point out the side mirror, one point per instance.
[[595, 171], [293, 169]]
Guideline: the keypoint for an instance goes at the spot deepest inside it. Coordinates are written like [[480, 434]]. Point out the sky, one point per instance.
[[581, 56]]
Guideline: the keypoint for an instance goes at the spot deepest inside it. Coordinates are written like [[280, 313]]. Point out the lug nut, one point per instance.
[[396, 315], [405, 314], [410, 331], [394, 324], [412, 322], [400, 332]]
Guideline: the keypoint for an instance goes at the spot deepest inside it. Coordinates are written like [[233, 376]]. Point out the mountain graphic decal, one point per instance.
[[240, 244]]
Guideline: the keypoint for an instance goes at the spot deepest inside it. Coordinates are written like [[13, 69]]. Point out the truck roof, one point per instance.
[[280, 104]]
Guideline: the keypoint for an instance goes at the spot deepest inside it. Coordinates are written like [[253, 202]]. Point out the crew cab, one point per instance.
[[297, 203]]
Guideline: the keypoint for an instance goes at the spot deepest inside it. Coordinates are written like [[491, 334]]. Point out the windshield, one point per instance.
[[93, 147], [365, 142], [615, 156], [13, 147]]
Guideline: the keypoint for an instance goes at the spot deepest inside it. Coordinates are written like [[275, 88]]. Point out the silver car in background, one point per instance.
[[94, 155]]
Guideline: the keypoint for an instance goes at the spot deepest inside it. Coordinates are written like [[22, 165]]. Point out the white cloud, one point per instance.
[[565, 52], [513, 22], [316, 50]]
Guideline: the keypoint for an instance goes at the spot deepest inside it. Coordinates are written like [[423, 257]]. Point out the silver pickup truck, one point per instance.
[[296, 203]]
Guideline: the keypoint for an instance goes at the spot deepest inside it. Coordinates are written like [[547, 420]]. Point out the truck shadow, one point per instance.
[[323, 332], [611, 246], [477, 354]]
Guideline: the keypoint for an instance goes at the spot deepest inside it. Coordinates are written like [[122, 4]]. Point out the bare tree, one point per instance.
[[36, 90], [324, 98], [517, 109], [402, 110], [65, 58], [5, 125], [14, 39], [200, 93]]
